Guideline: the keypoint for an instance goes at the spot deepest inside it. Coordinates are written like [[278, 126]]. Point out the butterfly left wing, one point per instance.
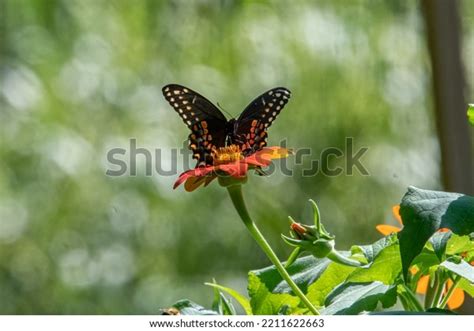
[[252, 124], [206, 122]]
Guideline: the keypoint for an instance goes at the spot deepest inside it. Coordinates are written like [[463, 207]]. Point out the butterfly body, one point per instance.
[[210, 129]]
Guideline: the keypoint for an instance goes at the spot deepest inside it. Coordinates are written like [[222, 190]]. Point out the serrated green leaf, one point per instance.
[[242, 300], [439, 241], [187, 307], [386, 268], [354, 298], [264, 302], [424, 212], [463, 269]]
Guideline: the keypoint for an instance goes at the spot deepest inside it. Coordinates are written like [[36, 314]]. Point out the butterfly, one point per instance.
[[210, 129]]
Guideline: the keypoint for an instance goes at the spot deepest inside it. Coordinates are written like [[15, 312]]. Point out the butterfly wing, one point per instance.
[[206, 122], [259, 115]]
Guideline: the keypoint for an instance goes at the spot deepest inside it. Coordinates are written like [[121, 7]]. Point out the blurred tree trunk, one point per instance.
[[444, 40], [443, 32]]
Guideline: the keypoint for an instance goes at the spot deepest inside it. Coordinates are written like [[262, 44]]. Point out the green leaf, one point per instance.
[[439, 241], [242, 300], [354, 298], [466, 286], [385, 268], [187, 307], [304, 271], [425, 260], [470, 113], [459, 244], [424, 212], [264, 302], [371, 251], [332, 276], [221, 304], [463, 269], [225, 306]]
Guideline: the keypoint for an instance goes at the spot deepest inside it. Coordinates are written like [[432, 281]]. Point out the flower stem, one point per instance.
[[439, 290], [235, 192], [410, 297], [337, 257], [293, 256], [448, 295]]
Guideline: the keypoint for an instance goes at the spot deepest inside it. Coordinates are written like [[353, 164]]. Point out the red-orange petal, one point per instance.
[[387, 229], [234, 169], [196, 172], [396, 213], [422, 285]]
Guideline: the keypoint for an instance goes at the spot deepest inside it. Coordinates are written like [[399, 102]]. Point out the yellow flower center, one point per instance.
[[228, 154]]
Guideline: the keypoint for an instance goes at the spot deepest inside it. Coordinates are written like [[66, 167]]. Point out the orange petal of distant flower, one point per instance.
[[422, 285], [387, 229], [396, 213], [457, 299]]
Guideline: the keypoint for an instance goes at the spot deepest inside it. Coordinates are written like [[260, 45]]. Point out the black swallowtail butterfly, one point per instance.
[[210, 129]]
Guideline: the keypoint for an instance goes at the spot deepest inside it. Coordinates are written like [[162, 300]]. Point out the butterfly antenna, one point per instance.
[[225, 111]]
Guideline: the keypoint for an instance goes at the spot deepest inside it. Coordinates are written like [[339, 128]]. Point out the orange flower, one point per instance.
[[389, 229], [229, 161], [457, 298]]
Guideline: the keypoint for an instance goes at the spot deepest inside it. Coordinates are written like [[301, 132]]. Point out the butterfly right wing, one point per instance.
[[206, 122]]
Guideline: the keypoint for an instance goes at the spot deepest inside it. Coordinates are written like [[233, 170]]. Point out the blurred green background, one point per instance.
[[80, 77]]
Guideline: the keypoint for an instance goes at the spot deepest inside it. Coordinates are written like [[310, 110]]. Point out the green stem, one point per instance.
[[411, 298], [293, 256], [431, 292], [406, 305], [439, 290], [337, 257], [235, 192], [448, 295]]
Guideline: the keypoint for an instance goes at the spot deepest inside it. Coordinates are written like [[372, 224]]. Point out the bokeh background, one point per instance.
[[78, 78]]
